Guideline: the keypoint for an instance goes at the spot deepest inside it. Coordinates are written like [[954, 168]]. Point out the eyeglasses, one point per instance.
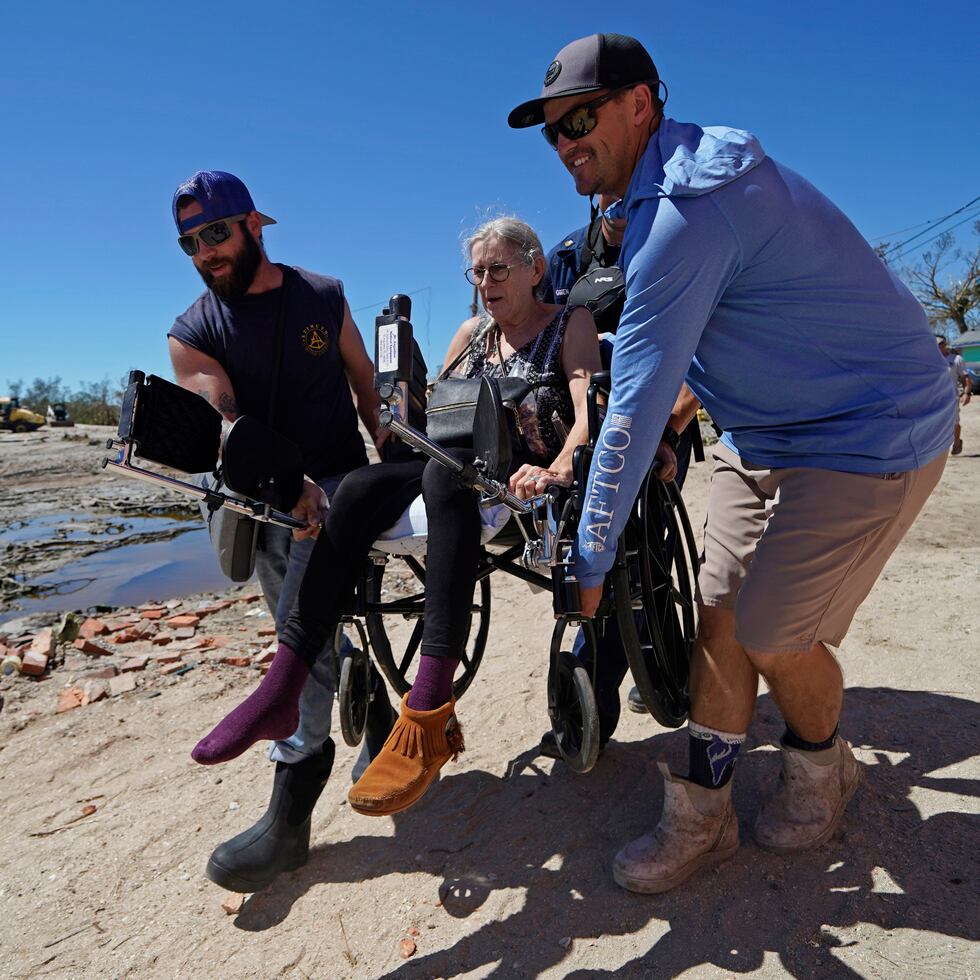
[[498, 272], [212, 234], [580, 121]]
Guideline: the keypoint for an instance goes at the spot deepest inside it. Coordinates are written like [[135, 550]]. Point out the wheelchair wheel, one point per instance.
[[353, 687], [653, 588], [571, 699], [395, 595]]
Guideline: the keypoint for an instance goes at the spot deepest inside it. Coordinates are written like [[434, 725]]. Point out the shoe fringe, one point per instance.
[[409, 739]]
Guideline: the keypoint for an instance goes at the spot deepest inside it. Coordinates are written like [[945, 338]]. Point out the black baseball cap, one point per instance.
[[586, 65]]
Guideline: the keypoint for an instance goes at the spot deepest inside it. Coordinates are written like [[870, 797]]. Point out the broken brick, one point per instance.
[[118, 625], [161, 639], [33, 663], [172, 668], [184, 632], [215, 642], [267, 631], [237, 661], [122, 684], [167, 656], [135, 663], [93, 691], [187, 619], [129, 635], [93, 649], [265, 656], [68, 699], [92, 627], [157, 613], [100, 673], [233, 904], [43, 644]]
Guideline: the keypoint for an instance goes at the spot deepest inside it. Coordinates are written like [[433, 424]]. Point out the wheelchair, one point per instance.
[[649, 593]]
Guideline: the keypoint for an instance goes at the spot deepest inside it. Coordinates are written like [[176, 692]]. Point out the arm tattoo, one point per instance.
[[226, 404], [203, 393]]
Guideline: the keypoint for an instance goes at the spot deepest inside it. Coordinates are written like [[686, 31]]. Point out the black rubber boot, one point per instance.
[[381, 717], [280, 841]]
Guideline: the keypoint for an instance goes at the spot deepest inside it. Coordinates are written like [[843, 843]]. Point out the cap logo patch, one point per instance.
[[554, 70]]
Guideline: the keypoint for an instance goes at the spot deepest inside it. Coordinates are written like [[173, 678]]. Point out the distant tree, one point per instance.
[[43, 392], [96, 402], [946, 281]]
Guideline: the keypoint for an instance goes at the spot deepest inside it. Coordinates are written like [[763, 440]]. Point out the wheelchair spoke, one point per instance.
[[413, 645]]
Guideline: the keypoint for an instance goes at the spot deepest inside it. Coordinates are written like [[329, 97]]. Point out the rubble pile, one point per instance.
[[85, 659]]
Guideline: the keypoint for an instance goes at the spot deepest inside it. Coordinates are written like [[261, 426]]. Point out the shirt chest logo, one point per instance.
[[316, 340]]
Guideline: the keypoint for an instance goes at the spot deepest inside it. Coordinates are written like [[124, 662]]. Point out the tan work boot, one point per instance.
[[698, 827], [814, 788], [420, 744]]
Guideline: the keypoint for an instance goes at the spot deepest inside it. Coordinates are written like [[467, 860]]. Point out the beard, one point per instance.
[[235, 283]]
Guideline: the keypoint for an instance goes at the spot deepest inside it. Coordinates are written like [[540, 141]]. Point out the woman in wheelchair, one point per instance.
[[553, 348]]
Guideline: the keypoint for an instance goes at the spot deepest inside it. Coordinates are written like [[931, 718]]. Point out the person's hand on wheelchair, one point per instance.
[[667, 460], [311, 508], [529, 480]]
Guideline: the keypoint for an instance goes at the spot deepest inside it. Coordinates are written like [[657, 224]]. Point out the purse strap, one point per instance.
[[277, 358], [500, 357]]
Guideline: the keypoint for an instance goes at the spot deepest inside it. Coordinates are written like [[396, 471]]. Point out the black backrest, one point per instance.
[[169, 424]]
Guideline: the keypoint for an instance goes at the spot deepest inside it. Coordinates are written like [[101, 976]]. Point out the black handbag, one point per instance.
[[451, 408]]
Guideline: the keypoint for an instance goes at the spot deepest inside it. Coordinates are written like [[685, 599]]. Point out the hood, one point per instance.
[[684, 160]]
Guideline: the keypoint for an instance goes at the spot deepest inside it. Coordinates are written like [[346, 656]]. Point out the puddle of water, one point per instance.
[[122, 576]]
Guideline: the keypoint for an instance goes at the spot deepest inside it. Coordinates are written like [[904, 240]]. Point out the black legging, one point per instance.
[[366, 504]]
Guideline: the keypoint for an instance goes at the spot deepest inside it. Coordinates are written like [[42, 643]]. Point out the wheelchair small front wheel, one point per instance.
[[353, 688], [571, 702]]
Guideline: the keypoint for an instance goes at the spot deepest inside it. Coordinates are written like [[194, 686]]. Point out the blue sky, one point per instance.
[[376, 133]]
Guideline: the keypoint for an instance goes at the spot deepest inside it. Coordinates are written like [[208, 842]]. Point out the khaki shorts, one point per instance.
[[795, 550]]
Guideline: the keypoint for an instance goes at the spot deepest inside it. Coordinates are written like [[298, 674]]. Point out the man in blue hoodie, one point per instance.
[[745, 281]]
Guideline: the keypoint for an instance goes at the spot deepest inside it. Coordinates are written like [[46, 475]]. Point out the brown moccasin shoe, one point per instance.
[[420, 743]]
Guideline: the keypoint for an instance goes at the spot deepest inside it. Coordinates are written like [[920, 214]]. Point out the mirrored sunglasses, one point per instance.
[[212, 234], [580, 121]]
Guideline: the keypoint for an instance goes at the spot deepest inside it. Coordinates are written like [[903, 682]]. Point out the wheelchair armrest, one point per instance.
[[603, 381]]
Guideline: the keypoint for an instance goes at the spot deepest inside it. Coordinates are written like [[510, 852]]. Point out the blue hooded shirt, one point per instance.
[[748, 283]]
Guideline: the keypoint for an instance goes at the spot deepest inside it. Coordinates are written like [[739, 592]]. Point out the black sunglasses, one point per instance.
[[581, 120], [212, 234]]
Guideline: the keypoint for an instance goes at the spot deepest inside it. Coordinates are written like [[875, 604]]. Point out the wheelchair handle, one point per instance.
[[213, 498], [468, 473]]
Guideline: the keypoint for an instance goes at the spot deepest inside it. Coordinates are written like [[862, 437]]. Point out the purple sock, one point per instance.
[[270, 711], [433, 685]]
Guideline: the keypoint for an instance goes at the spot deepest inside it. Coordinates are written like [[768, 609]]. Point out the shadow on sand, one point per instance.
[[564, 830]]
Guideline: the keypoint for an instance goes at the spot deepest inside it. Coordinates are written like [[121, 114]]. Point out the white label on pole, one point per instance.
[[388, 347]]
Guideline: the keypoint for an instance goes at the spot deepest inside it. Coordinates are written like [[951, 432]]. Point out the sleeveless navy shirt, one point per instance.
[[314, 404]]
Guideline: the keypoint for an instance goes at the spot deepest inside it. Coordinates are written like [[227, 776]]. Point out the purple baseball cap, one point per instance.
[[220, 195], [587, 65]]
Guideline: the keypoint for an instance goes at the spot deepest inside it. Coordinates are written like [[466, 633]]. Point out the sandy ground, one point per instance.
[[504, 869]]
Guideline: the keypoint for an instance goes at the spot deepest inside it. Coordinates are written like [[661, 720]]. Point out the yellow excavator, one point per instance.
[[18, 419]]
